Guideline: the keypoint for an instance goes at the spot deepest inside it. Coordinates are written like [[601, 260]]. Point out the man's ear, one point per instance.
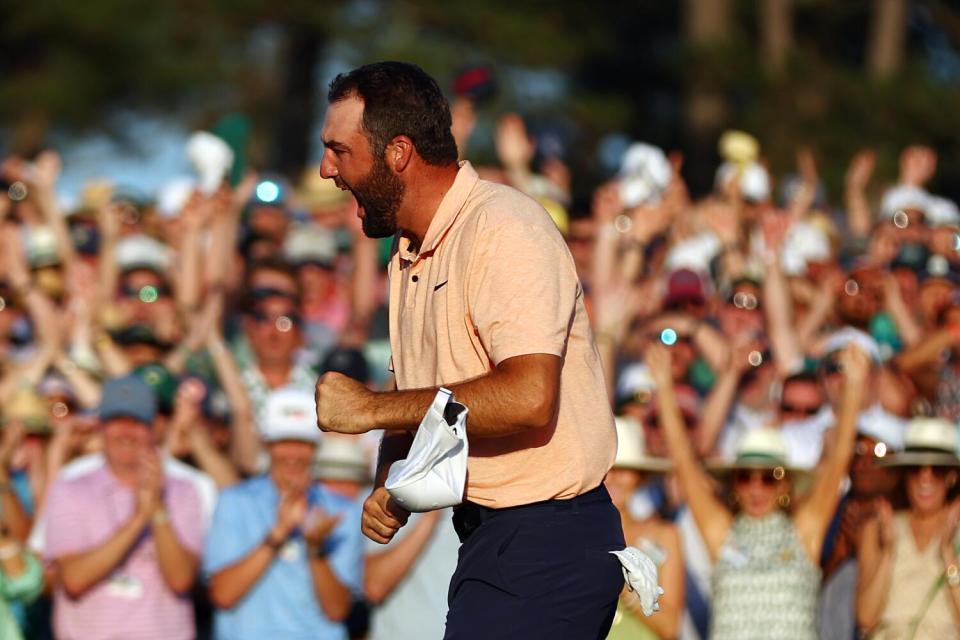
[[399, 153]]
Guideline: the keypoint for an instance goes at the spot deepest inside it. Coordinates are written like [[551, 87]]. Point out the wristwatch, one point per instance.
[[953, 576], [273, 545], [160, 516], [320, 552]]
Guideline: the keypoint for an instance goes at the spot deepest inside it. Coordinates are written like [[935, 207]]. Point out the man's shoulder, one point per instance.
[[251, 489], [80, 473], [496, 204], [334, 502]]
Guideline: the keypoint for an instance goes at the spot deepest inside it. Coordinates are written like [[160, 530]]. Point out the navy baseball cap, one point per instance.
[[128, 397]]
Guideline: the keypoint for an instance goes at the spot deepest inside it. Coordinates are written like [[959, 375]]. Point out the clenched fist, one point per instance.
[[344, 405]]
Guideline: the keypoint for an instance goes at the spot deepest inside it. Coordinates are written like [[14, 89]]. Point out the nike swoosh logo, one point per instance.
[[437, 288]]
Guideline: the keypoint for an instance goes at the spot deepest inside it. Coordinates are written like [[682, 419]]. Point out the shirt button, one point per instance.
[[415, 278]]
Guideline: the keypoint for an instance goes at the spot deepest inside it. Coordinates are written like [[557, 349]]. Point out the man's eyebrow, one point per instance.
[[334, 144]]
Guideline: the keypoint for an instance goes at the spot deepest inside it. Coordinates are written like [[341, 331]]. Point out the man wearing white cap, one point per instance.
[[284, 554]]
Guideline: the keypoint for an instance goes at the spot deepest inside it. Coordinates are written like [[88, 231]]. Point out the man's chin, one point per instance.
[[373, 230]]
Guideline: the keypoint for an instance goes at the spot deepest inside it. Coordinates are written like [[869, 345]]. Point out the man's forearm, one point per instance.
[[81, 571], [333, 595], [519, 395], [230, 585], [177, 563]]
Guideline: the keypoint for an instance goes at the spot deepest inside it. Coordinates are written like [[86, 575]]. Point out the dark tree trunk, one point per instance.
[[296, 101]]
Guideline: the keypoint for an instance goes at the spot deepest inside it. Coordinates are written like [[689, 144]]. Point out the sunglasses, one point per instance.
[[282, 323], [938, 472], [786, 407], [767, 477], [744, 301]]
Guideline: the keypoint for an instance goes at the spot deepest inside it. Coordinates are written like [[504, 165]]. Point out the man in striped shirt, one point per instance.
[[124, 537]]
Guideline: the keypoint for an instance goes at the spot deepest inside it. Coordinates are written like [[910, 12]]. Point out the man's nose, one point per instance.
[[327, 167]]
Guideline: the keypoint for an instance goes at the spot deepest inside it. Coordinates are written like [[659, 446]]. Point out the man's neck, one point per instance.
[[276, 374], [422, 199], [126, 477]]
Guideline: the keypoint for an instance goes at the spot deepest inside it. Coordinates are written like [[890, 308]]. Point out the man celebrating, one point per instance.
[[125, 538], [484, 300]]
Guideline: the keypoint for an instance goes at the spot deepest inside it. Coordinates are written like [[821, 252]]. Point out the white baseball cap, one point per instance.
[[904, 196], [290, 415]]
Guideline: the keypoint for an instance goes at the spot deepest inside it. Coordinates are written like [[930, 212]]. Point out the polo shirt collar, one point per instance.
[[450, 206]]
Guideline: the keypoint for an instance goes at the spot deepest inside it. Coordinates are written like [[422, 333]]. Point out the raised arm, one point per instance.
[[859, 218], [717, 407], [712, 517], [777, 304], [875, 559], [813, 516]]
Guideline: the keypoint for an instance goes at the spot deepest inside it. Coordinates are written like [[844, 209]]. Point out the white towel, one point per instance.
[[642, 577], [434, 474]]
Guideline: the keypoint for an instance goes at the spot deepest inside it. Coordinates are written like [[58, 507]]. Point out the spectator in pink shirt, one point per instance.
[[124, 538]]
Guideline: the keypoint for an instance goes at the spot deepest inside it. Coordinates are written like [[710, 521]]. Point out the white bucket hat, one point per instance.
[[903, 197], [434, 474], [342, 458], [763, 448], [631, 451], [928, 441]]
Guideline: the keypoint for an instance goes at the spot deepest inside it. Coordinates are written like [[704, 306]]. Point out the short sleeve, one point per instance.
[[523, 291], [186, 515], [346, 554], [230, 537], [65, 530]]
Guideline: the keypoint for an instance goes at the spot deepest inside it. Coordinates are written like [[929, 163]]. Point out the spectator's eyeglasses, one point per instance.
[[767, 477], [744, 301], [147, 293], [939, 472], [786, 407], [282, 323]]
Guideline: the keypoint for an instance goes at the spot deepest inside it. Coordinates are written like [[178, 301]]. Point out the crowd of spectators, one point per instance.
[[784, 364]]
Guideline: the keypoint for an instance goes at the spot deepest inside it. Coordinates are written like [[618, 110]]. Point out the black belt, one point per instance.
[[468, 517]]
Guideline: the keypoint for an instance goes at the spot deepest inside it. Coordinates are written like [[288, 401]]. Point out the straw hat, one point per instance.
[[317, 192], [631, 452], [928, 441], [27, 407], [763, 448], [342, 458]]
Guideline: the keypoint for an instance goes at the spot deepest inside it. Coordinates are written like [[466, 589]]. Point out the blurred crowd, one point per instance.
[[784, 364]]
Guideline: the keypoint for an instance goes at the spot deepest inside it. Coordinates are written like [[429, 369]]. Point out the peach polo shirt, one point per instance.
[[494, 279]]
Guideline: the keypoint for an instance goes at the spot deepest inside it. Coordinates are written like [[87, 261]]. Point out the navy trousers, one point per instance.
[[537, 571]]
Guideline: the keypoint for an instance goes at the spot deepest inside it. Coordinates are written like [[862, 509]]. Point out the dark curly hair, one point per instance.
[[399, 98]]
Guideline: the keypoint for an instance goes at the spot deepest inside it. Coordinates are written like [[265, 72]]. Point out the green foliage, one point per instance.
[[626, 65]]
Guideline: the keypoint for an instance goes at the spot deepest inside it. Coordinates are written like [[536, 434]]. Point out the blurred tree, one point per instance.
[[675, 74], [888, 28]]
